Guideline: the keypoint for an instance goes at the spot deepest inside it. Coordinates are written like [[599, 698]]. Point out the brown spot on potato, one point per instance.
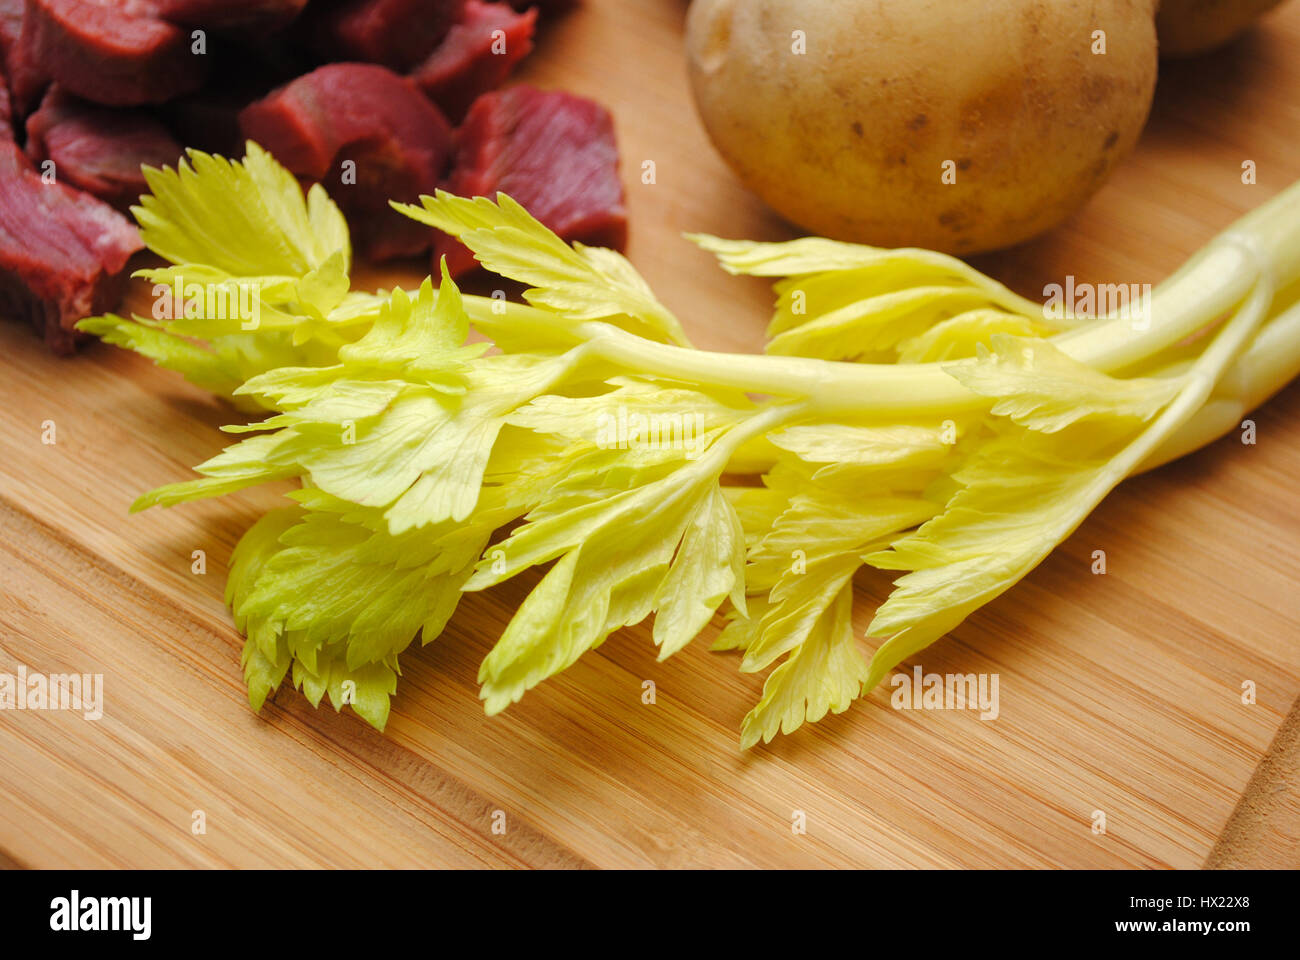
[[1111, 140], [918, 121], [955, 220], [1003, 97], [1033, 15], [857, 128], [1097, 89], [963, 163]]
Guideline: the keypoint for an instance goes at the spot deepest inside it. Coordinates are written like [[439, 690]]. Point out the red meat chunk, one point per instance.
[[99, 149], [63, 253], [476, 56], [554, 153], [396, 33], [397, 141], [107, 52]]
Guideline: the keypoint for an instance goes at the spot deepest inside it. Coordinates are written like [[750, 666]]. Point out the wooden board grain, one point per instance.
[[1119, 693]]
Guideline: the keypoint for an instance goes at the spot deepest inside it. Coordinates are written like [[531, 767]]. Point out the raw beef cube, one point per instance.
[[396, 33], [554, 153], [99, 149], [97, 50], [476, 56], [62, 252], [370, 136]]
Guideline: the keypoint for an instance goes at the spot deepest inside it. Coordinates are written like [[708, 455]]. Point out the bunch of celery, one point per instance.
[[911, 415]]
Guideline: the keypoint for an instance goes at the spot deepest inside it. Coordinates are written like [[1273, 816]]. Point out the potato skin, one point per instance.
[[1189, 27], [849, 140]]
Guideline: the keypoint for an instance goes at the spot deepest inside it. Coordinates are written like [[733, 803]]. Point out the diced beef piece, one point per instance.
[[225, 14], [370, 136], [99, 149], [27, 81], [476, 56], [62, 252], [107, 52], [396, 33], [554, 153]]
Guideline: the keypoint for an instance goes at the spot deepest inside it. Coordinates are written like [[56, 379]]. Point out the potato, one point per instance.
[[854, 137], [1189, 27]]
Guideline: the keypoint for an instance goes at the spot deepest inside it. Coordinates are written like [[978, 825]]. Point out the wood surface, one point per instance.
[[1119, 693]]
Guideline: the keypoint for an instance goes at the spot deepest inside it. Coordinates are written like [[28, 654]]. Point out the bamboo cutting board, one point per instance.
[[1119, 693]]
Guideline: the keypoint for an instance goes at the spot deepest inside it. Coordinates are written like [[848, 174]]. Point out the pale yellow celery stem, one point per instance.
[[1270, 362], [1260, 248], [1200, 382]]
